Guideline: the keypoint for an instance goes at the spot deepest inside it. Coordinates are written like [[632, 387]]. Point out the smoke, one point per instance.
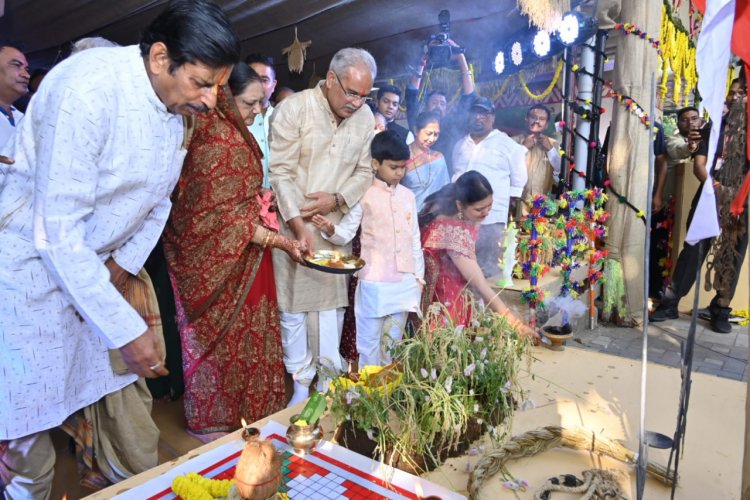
[[564, 310]]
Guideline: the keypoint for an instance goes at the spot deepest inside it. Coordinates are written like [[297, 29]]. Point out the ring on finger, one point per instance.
[[155, 367]]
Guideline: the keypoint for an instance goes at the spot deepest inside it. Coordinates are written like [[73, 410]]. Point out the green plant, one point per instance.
[[453, 377]]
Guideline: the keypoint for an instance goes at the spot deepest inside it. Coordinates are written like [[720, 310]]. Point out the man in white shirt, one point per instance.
[[263, 65], [97, 157], [14, 83], [503, 162]]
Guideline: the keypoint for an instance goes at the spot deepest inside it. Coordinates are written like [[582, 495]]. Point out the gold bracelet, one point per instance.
[[267, 237]]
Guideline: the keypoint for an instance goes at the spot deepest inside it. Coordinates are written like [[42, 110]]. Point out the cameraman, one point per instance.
[[452, 125]]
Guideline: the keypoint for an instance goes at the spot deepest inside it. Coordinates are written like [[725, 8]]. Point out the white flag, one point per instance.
[[712, 60]]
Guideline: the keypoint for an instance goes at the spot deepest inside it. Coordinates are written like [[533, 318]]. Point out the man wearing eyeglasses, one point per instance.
[[543, 159], [320, 164]]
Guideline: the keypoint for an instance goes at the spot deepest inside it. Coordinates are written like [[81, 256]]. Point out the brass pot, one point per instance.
[[303, 438]]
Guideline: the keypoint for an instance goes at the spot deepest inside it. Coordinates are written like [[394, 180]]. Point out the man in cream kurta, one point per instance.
[[96, 158], [543, 159], [320, 164]]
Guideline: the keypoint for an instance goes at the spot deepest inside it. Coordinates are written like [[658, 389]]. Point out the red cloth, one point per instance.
[[231, 338], [445, 283]]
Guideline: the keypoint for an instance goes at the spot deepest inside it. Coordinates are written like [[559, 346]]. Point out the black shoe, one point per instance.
[[664, 312], [720, 322]]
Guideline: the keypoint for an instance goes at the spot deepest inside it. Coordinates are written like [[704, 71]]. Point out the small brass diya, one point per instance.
[[303, 438]]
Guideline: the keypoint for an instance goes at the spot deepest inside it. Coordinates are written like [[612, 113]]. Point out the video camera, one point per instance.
[[437, 47]]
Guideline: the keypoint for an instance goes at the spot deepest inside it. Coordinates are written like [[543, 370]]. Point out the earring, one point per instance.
[[460, 214]]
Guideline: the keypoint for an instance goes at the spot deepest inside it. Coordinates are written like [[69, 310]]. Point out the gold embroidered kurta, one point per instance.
[[310, 152], [542, 166]]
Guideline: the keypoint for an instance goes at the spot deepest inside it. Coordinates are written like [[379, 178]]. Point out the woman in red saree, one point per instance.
[[219, 255], [450, 226]]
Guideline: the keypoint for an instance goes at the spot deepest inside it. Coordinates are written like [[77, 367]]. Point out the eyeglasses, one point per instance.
[[350, 94]]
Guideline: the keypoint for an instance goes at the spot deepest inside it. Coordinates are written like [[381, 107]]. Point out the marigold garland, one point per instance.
[[193, 486], [678, 54], [548, 90]]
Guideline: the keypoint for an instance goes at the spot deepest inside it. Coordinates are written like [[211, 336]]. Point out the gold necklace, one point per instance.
[[430, 178]]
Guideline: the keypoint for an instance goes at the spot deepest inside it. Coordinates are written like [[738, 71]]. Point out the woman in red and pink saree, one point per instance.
[[449, 223], [219, 255]]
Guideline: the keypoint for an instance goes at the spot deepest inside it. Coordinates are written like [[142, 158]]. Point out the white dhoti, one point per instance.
[[310, 339], [27, 466]]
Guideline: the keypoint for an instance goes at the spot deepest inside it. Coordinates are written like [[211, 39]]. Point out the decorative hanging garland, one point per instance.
[[678, 54], [548, 90], [632, 29]]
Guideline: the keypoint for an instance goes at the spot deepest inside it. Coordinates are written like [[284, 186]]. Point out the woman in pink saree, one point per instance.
[[450, 226]]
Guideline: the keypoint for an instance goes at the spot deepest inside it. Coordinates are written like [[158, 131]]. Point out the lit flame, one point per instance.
[[244, 423], [418, 490]]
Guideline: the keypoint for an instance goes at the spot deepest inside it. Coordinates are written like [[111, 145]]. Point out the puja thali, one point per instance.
[[331, 261]]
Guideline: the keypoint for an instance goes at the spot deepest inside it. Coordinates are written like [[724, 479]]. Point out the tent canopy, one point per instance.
[[393, 30]]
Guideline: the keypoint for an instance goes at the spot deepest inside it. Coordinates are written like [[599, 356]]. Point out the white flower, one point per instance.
[[426, 399], [449, 384], [479, 339], [459, 329], [474, 322], [471, 392], [423, 371], [370, 435], [351, 395], [476, 408], [433, 374], [348, 417], [483, 354], [528, 404], [469, 370]]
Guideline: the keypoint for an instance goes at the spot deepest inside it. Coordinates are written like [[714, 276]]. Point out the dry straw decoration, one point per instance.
[[536, 441], [296, 53], [544, 14]]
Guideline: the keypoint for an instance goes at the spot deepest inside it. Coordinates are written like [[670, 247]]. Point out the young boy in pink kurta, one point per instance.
[[390, 284]]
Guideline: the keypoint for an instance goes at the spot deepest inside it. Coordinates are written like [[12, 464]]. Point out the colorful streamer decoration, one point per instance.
[[632, 29]]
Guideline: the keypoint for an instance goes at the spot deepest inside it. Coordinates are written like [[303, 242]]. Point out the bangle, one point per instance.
[[267, 238]]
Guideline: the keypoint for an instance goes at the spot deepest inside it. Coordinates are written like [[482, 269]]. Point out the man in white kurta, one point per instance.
[[320, 164], [97, 156], [503, 162]]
